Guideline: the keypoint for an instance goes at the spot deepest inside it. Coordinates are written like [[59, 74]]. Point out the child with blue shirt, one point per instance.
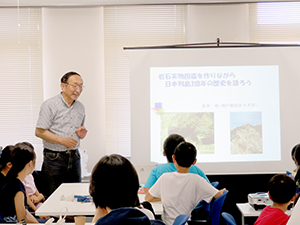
[[169, 146]]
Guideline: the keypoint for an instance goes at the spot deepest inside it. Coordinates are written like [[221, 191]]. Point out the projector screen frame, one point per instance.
[[142, 136]]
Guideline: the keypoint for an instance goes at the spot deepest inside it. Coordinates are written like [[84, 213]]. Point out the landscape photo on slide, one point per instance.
[[196, 128], [246, 133]]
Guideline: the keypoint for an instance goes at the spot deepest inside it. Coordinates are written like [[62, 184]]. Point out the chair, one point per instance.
[[207, 205], [215, 212], [228, 218], [215, 183], [181, 219], [203, 212]]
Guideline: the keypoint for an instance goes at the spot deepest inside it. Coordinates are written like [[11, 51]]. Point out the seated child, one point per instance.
[[296, 158], [13, 192], [5, 162], [293, 173], [181, 191], [110, 175], [171, 142], [169, 147], [35, 197], [282, 190]]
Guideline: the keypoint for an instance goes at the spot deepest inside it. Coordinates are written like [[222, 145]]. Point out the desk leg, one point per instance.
[[243, 220]]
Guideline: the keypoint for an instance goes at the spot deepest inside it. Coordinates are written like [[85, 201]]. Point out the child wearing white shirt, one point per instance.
[[181, 191]]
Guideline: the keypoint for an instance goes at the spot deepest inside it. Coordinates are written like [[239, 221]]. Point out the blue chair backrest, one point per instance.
[[215, 212], [181, 219], [215, 183], [228, 218], [207, 205]]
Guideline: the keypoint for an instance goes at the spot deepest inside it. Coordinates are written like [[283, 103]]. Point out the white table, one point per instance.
[[53, 205], [248, 211]]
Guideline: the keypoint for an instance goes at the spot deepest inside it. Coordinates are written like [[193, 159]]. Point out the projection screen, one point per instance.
[[238, 106]]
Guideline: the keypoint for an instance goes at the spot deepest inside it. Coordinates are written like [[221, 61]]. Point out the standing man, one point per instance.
[[61, 126]]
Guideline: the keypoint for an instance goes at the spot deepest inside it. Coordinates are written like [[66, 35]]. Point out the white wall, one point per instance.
[[229, 22], [73, 41]]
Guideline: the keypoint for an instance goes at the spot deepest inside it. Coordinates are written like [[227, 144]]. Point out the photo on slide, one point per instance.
[[246, 133], [196, 128]]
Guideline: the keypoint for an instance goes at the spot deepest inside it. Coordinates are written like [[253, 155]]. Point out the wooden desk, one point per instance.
[[53, 205], [248, 211]]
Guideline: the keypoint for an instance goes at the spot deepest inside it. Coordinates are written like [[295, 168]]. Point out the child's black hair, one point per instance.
[[111, 174], [170, 144], [282, 188], [6, 155], [22, 154], [185, 154], [296, 153], [294, 150]]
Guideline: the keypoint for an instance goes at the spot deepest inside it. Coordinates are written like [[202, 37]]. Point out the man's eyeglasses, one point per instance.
[[75, 86]]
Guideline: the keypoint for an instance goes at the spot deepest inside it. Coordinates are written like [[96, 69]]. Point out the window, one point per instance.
[[275, 22], [21, 87]]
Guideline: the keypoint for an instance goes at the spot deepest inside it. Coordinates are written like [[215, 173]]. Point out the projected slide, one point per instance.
[[230, 113]]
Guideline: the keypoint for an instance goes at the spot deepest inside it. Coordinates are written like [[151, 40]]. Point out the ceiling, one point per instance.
[[74, 3]]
